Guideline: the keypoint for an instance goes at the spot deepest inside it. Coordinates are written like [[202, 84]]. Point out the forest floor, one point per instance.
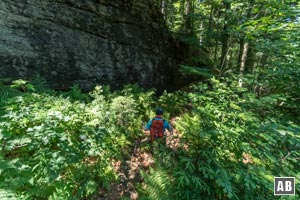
[[129, 171]]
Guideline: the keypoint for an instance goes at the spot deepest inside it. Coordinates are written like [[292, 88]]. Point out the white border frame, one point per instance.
[[284, 194]]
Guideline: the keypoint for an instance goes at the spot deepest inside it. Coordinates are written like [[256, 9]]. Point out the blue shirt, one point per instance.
[[166, 124]]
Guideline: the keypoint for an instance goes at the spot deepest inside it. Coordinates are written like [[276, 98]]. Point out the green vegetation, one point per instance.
[[61, 145], [238, 127], [232, 146], [56, 146]]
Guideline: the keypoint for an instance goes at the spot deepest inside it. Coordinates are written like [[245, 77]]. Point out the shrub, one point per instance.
[[53, 147], [232, 145]]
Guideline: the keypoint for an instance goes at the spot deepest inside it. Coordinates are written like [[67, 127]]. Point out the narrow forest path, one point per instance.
[[129, 170], [129, 176]]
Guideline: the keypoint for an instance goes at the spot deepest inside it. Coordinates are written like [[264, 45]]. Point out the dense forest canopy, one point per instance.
[[235, 129], [244, 37]]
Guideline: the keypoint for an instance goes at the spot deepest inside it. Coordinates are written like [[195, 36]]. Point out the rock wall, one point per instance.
[[86, 42]]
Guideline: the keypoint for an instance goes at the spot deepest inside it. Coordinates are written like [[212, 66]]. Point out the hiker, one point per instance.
[[157, 126]]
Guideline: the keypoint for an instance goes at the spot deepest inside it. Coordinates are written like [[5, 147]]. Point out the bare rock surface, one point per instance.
[[86, 42]]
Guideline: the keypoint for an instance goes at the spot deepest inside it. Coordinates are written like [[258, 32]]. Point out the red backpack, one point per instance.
[[157, 129]]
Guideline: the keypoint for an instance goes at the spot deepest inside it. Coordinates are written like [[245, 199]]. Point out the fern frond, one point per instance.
[[158, 184]]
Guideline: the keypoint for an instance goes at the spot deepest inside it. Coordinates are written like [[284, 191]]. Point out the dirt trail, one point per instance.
[[129, 171], [141, 159], [129, 176]]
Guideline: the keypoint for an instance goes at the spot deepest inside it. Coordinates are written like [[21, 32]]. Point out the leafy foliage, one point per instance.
[[232, 145], [57, 147], [158, 185], [232, 141], [233, 138]]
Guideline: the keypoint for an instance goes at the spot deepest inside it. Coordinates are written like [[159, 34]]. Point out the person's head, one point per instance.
[[159, 111]]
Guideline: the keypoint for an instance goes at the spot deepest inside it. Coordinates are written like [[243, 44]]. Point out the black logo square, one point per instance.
[[284, 185]]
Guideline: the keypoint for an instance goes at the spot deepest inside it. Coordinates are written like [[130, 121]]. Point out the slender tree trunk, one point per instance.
[[209, 28], [263, 61], [242, 42], [216, 51], [249, 58], [225, 36], [201, 34], [188, 17], [245, 57], [230, 57], [163, 8], [250, 61], [182, 8], [243, 62]]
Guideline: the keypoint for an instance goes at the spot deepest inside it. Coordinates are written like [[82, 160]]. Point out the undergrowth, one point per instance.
[[60, 145]]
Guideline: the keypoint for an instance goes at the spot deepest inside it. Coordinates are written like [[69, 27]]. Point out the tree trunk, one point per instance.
[[163, 6], [209, 28], [242, 42], [182, 8], [246, 54], [201, 34], [216, 49], [243, 62], [225, 37], [250, 60], [188, 16]]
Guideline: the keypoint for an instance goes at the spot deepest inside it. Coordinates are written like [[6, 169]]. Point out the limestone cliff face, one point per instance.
[[85, 42]]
